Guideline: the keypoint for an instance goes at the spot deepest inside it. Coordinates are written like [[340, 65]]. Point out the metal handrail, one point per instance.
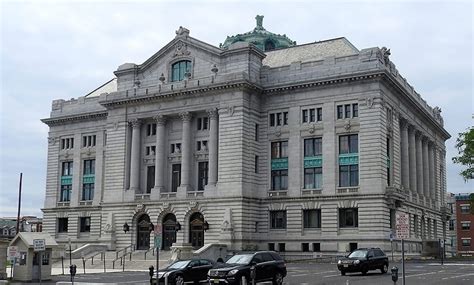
[[124, 249], [152, 251]]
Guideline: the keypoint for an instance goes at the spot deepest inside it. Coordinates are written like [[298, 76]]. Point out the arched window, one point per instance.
[[269, 45], [179, 69]]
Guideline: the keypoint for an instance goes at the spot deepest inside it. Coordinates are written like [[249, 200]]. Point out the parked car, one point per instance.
[[182, 271], [363, 260], [269, 266]]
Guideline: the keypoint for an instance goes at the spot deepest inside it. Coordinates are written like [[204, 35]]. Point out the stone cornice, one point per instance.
[[152, 97], [101, 115]]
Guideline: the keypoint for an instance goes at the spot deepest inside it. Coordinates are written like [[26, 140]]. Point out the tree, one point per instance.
[[465, 146]]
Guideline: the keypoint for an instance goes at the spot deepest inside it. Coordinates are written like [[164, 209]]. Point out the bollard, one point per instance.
[[151, 270], [394, 274], [72, 271]]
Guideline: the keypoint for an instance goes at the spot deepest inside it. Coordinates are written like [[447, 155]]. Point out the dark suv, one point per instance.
[[269, 266], [363, 260]]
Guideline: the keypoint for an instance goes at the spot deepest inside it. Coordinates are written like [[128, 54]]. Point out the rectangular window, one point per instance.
[[348, 175], [151, 130], [355, 110], [465, 209], [312, 115], [388, 161], [347, 111], [150, 178], [451, 225], [316, 247], [67, 143], [279, 149], [89, 141], [348, 144], [348, 218], [304, 117], [203, 168], [465, 225], [277, 219], [305, 247], [312, 218], [466, 242], [89, 167], [88, 191], [278, 119], [272, 120], [256, 164], [175, 177], [175, 148], [280, 179], [271, 246], [85, 224], [202, 123], [340, 112], [201, 145], [150, 150], [281, 247], [62, 225], [67, 168], [319, 114], [313, 147], [65, 193], [415, 225], [285, 118], [313, 178], [45, 258]]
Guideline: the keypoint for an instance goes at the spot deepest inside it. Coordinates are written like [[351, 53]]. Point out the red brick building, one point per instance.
[[465, 224]]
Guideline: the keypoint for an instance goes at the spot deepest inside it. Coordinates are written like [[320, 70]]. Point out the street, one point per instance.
[[321, 273]]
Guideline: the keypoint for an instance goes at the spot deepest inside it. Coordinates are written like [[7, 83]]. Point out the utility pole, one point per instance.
[[19, 206]]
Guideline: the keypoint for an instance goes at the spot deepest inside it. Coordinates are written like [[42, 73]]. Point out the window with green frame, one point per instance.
[[179, 69]]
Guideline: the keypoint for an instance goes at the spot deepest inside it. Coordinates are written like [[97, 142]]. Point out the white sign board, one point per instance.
[[13, 252], [403, 225], [38, 245]]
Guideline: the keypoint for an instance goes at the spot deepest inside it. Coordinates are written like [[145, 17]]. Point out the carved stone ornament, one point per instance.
[[160, 120], [182, 31], [181, 49], [385, 55], [135, 123], [370, 102], [214, 69], [278, 132], [166, 206], [162, 78], [186, 116], [212, 113], [230, 110], [311, 129], [51, 140], [193, 204], [139, 208], [116, 124], [347, 125]]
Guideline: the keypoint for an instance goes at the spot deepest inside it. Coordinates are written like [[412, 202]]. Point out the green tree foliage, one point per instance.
[[465, 146]]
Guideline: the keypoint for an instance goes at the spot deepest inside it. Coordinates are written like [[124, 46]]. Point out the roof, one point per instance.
[[28, 237], [108, 87], [8, 223], [310, 52]]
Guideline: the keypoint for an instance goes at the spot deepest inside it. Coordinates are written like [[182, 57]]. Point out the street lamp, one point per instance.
[[206, 226], [177, 227], [126, 228]]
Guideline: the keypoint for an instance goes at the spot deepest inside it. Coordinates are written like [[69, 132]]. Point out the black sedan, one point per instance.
[[363, 260], [185, 271]]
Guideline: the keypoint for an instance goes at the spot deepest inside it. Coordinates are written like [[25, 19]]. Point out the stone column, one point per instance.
[[426, 177], [431, 163], [412, 160], [405, 156], [419, 164], [186, 153], [160, 156], [213, 137], [135, 156]]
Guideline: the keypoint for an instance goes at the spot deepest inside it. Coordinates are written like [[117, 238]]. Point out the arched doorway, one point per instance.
[[196, 228], [143, 232], [169, 231]]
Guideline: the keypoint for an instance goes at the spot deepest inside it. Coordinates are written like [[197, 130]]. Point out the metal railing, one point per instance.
[[152, 251]]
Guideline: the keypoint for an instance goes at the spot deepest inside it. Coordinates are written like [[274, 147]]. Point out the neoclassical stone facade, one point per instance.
[[311, 147]]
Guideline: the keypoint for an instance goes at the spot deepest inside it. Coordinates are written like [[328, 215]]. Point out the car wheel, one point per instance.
[[384, 269], [343, 272], [364, 270], [179, 280], [278, 279]]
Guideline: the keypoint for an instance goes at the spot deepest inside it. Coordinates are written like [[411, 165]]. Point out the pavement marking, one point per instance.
[[331, 276], [453, 277], [421, 274]]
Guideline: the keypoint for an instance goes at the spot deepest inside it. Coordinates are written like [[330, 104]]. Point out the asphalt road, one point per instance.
[[417, 273]]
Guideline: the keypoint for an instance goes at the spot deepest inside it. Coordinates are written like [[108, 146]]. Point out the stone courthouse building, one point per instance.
[[260, 143]]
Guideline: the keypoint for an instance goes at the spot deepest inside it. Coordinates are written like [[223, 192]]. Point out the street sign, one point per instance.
[[38, 245], [391, 236], [402, 225], [157, 241], [158, 229], [158, 235], [13, 252]]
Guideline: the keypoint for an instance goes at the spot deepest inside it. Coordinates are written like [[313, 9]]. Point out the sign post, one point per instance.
[[13, 254], [39, 246], [391, 242], [403, 232], [157, 242]]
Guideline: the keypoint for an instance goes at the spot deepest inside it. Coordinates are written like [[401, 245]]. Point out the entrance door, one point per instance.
[[143, 232], [35, 271], [169, 231], [196, 226]]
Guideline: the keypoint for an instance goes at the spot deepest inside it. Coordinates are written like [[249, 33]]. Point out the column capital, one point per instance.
[[418, 134], [403, 122], [160, 119], [212, 113], [186, 116], [135, 123]]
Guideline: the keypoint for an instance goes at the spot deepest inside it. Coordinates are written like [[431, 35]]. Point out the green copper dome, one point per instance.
[[260, 37]]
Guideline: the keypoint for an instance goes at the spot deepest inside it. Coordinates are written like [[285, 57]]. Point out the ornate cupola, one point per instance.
[[261, 38]]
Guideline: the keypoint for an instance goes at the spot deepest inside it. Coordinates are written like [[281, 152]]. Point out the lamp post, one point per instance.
[[126, 228]]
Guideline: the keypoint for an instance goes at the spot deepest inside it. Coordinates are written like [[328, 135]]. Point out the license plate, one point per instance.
[[215, 281], [346, 265]]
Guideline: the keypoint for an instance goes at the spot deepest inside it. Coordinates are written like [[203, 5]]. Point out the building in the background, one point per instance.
[[27, 224], [7, 228], [451, 237], [261, 143], [465, 224]]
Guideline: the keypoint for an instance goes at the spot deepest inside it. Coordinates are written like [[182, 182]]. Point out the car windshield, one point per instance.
[[179, 264], [240, 259], [358, 253]]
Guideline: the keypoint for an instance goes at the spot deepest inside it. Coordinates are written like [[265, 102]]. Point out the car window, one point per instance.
[[257, 258], [378, 252], [239, 259], [267, 257], [370, 254], [358, 254], [205, 262], [275, 256], [194, 263]]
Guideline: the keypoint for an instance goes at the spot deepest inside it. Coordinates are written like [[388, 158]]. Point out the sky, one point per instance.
[[65, 49]]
